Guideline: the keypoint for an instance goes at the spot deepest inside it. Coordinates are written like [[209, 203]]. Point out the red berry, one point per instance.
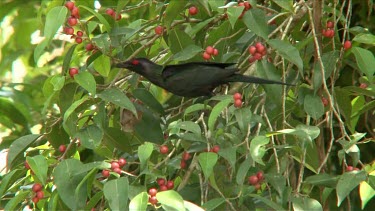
[[186, 156], [237, 96], [349, 168], [40, 194], [328, 33], [356, 169], [193, 10], [257, 56], [62, 147], [247, 5], [68, 30], [72, 21], [347, 45], [110, 12], [252, 59], [153, 200], [35, 199], [78, 40], [79, 33], [159, 30], [37, 187], [152, 191], [324, 101], [160, 181], [216, 149], [363, 86], [115, 165], [330, 24], [210, 50], [260, 176], [257, 186], [72, 72], [27, 166], [75, 12], [170, 184], [253, 180], [216, 52], [117, 170], [238, 103], [69, 5], [252, 50], [241, 4], [206, 56], [164, 149], [105, 173], [260, 47], [118, 17], [163, 188], [182, 164], [89, 47], [122, 162]]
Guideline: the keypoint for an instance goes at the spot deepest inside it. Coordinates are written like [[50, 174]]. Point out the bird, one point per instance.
[[192, 79]]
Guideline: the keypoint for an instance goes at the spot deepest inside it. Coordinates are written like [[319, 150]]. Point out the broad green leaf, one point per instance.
[[170, 200], [70, 111], [365, 61], [102, 64], [9, 179], [313, 106], [365, 38], [178, 41], [67, 58], [243, 169], [196, 107], [66, 180], [366, 192], [18, 147], [8, 109], [216, 111], [213, 204], [267, 202], [139, 202], [87, 81], [243, 117], [229, 154], [285, 4], [90, 136], [116, 192], [305, 203], [207, 161], [119, 98], [147, 98], [144, 153], [189, 126], [322, 180], [187, 53], [39, 166], [174, 8], [258, 149], [329, 61], [255, 20], [148, 129], [347, 182], [120, 139], [287, 51], [14, 202], [57, 82], [233, 14], [99, 16], [277, 181], [94, 200]]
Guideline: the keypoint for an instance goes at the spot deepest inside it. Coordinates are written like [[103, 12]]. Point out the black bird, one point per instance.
[[192, 79]]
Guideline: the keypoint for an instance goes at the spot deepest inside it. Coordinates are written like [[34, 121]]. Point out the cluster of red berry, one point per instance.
[[214, 149], [256, 180], [193, 10], [163, 186], [329, 32], [115, 167], [185, 157], [113, 14], [237, 97], [210, 51], [246, 6], [257, 52], [39, 194]]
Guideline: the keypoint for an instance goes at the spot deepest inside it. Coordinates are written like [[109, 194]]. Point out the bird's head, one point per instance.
[[139, 65]]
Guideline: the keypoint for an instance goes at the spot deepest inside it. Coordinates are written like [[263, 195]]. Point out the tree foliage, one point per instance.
[[70, 118]]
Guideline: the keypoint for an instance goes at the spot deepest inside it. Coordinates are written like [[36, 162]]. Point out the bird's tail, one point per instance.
[[254, 80]]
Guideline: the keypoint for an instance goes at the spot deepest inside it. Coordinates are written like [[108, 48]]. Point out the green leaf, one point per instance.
[[187, 53], [229, 154], [173, 9], [99, 16], [277, 181], [39, 166], [243, 117], [9, 179], [178, 40], [116, 192], [70, 110], [258, 149], [196, 107], [347, 182], [170, 200], [366, 192], [365, 61], [213, 204], [67, 180], [144, 153], [189, 126], [207, 160], [14, 202], [365, 38], [8, 109], [325, 180], [233, 14], [102, 64], [243, 169], [119, 139], [268, 202], [90, 136], [57, 82], [150, 123], [305, 203], [139, 202], [329, 61], [285, 4], [19, 146], [216, 111], [255, 20], [87, 81], [313, 106], [147, 98], [287, 51], [119, 98]]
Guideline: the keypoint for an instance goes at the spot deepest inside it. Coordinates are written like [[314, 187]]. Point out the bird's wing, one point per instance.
[[171, 70]]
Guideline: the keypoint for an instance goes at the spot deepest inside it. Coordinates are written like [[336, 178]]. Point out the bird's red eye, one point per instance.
[[135, 62]]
